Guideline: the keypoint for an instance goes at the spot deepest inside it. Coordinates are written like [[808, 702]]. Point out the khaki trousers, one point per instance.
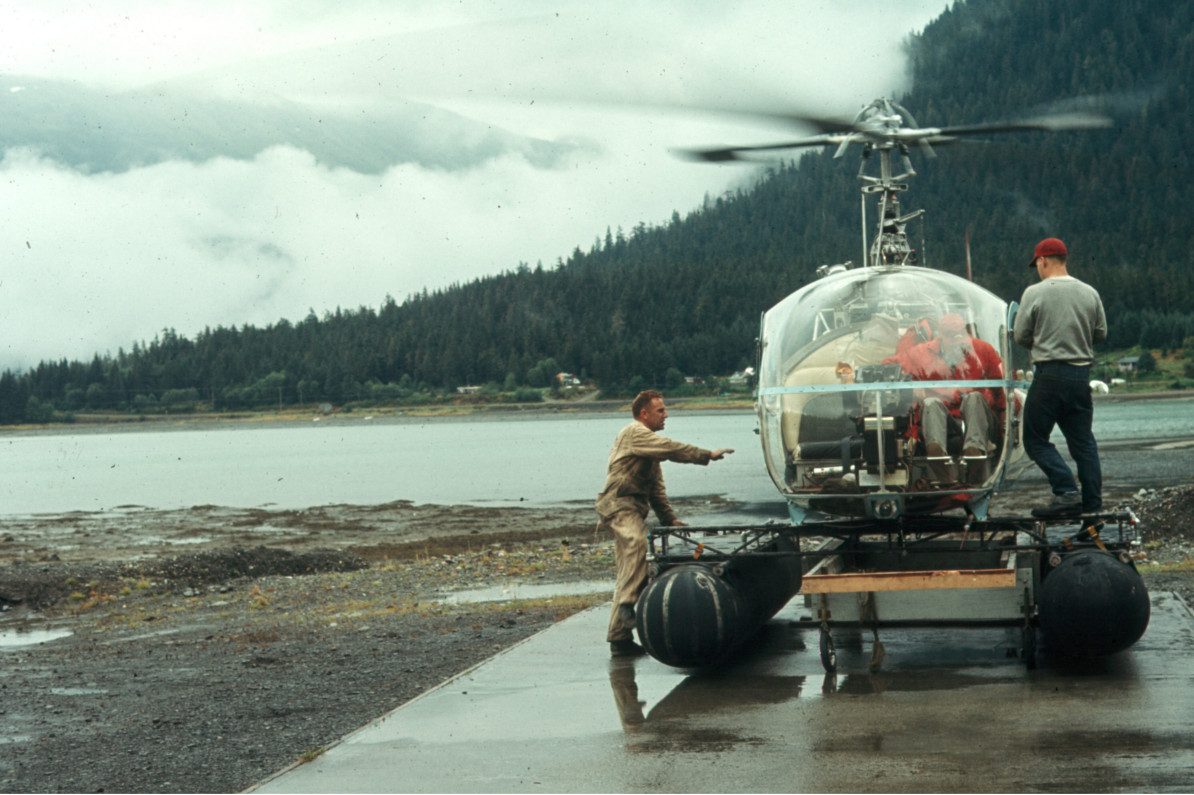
[[976, 414], [630, 556]]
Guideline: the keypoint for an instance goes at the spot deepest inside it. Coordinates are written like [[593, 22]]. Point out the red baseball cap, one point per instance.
[[1049, 247]]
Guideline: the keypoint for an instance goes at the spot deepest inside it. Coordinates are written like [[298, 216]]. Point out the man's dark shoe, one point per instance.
[[1061, 506], [625, 648]]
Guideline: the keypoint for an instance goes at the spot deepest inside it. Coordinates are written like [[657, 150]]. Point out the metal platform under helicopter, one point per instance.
[[858, 574]]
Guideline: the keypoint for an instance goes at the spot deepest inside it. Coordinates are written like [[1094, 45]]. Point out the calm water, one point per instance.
[[490, 460]]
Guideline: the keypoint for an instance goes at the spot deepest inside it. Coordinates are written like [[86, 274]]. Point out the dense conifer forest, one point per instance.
[[647, 305]]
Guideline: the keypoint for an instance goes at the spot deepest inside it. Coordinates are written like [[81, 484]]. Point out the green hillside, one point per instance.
[[651, 304]]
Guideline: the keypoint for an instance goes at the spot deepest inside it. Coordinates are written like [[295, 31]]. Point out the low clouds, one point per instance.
[[300, 162], [93, 129], [96, 261]]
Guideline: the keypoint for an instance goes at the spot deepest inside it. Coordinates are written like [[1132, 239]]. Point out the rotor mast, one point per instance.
[[890, 246]]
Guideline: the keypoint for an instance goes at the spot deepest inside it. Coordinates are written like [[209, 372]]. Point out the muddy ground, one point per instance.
[[201, 650]]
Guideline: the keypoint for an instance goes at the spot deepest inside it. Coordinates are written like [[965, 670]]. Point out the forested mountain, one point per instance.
[[686, 296]]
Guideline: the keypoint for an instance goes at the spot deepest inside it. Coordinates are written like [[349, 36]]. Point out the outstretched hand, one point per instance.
[[717, 455]]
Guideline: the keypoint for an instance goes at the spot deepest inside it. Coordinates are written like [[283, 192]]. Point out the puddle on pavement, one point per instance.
[[510, 592], [267, 529], [77, 691], [146, 541], [17, 639]]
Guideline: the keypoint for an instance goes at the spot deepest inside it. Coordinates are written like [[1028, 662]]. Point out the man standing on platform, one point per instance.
[[1060, 319], [633, 487]]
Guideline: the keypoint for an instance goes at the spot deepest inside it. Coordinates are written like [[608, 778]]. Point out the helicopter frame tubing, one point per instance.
[[933, 570]]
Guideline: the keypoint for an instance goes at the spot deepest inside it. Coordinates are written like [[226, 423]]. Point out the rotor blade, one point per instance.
[[731, 153], [823, 124], [1048, 123]]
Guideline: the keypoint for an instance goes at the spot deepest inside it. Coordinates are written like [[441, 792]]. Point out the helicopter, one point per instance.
[[887, 461], [837, 408]]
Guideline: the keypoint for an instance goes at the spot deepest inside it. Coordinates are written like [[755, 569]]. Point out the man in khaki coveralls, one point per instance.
[[633, 487]]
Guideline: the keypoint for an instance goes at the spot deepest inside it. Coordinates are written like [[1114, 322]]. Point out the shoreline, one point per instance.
[[384, 414], [99, 423]]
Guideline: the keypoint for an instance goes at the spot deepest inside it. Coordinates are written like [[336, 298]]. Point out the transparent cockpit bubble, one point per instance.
[[865, 382]]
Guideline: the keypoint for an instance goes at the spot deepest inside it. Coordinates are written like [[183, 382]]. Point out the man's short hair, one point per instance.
[[642, 400]]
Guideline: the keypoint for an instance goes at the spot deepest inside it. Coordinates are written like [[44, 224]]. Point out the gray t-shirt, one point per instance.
[[1060, 319]]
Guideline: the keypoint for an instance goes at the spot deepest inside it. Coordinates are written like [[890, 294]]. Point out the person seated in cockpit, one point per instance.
[[920, 331], [954, 355]]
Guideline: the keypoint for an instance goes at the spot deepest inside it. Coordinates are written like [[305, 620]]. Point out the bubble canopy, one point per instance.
[[848, 368]]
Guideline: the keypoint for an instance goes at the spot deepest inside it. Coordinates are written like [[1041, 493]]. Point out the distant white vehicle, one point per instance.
[[1098, 387]]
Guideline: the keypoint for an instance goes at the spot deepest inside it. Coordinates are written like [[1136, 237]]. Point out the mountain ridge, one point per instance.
[[684, 298]]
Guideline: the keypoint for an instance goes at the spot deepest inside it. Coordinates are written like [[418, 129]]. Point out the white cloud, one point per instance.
[[94, 260]]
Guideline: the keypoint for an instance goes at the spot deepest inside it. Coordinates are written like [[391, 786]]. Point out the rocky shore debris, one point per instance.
[[1167, 524], [44, 584]]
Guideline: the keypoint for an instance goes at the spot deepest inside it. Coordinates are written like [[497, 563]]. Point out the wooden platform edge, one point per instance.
[[862, 582]]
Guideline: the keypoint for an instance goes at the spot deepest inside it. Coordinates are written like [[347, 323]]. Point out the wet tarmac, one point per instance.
[[951, 710]]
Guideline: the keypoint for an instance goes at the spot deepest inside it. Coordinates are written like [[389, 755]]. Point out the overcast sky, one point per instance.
[[189, 164]]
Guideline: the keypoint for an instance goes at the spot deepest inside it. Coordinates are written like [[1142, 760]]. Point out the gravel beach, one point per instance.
[[201, 650]]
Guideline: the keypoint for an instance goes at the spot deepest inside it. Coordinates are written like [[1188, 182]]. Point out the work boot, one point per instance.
[[1061, 506], [941, 466], [977, 471], [625, 648]]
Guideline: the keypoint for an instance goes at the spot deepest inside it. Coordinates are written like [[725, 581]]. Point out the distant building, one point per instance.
[[742, 376], [467, 390], [567, 379], [1128, 364]]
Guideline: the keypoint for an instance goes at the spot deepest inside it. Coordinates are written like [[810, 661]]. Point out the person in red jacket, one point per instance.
[[954, 355]]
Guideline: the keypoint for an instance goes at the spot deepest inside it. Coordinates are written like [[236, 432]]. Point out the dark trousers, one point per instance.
[[1060, 396]]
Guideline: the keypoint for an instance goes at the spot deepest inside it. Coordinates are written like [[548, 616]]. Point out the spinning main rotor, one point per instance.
[[886, 127]]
